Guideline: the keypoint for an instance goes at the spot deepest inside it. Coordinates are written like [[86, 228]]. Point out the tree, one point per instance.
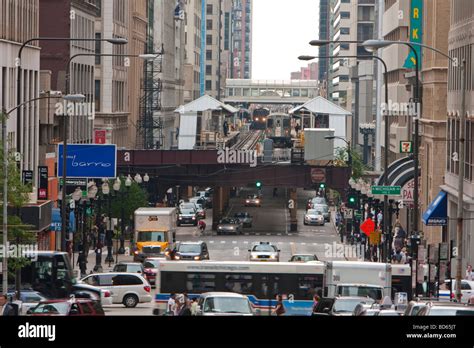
[[130, 198], [342, 156], [18, 232]]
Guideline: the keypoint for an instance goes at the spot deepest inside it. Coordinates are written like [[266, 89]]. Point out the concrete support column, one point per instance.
[[190, 192], [217, 206], [293, 218]]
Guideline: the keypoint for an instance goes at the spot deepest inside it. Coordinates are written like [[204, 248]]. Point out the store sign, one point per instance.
[[416, 31], [89, 161], [408, 191], [42, 182], [27, 177]]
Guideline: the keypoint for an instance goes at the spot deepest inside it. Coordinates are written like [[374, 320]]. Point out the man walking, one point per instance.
[[6, 309]]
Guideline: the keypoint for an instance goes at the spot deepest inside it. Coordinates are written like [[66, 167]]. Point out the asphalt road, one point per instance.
[[270, 224]]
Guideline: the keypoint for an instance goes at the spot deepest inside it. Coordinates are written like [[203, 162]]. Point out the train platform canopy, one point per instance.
[[205, 103], [320, 105]]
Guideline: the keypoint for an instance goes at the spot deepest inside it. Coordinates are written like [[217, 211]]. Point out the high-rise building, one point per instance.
[[306, 73], [192, 55], [241, 50], [340, 30], [212, 74], [460, 46], [20, 21], [324, 20], [111, 73], [78, 22]]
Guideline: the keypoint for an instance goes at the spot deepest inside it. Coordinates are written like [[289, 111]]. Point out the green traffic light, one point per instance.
[[322, 186], [258, 184], [352, 199]]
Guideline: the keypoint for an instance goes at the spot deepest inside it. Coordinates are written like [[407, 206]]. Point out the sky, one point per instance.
[[282, 30]]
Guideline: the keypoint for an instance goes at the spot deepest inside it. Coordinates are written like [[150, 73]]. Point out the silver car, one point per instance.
[[224, 304], [314, 217], [229, 225], [264, 251], [324, 209]]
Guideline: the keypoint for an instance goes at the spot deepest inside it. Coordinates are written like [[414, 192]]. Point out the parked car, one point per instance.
[[253, 201], [151, 268], [244, 218], [229, 225], [128, 289], [314, 217], [303, 258], [414, 307], [148, 251], [67, 307], [387, 313], [189, 251], [446, 309], [129, 267], [224, 304], [264, 251], [187, 216], [316, 200], [340, 306], [207, 195]]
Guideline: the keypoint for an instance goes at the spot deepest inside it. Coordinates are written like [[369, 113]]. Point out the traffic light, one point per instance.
[[353, 200], [322, 186], [258, 184]]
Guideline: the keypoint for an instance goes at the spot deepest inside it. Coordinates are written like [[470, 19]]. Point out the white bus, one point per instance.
[[260, 282]]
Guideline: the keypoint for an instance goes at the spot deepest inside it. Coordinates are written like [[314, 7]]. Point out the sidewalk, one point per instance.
[[105, 265]]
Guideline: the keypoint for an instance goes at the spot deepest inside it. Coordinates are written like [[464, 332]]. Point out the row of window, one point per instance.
[[284, 93], [452, 164]]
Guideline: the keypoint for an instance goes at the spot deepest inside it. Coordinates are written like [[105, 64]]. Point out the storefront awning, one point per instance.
[[437, 212]]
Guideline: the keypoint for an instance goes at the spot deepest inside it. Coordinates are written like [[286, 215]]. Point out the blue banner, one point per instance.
[[89, 161], [416, 33]]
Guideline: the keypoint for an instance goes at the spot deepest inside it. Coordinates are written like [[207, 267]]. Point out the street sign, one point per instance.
[[386, 190], [42, 182], [100, 136], [89, 161], [348, 213], [368, 226], [443, 251], [406, 147], [27, 177], [358, 214], [318, 175]]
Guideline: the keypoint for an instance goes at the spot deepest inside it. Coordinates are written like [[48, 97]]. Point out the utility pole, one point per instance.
[[460, 222], [5, 203]]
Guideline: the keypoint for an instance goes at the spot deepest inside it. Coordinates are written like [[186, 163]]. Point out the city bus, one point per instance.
[[260, 282]]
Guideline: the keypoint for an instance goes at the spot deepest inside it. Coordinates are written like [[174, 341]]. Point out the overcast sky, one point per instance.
[[282, 30]]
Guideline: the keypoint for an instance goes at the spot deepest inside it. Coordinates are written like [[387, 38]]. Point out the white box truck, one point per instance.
[[358, 278], [155, 230]]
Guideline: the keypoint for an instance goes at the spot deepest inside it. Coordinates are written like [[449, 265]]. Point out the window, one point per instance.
[[209, 24], [208, 69], [97, 95], [308, 286], [98, 48], [240, 283], [200, 282], [345, 15], [97, 307], [209, 9], [345, 31], [345, 46], [127, 280], [345, 1], [208, 85], [86, 309], [208, 39], [366, 13], [208, 55]]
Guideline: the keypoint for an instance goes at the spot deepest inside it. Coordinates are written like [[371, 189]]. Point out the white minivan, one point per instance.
[[126, 288]]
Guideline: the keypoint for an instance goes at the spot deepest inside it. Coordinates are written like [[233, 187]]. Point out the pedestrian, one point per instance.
[[194, 307], [338, 218], [279, 309], [225, 127], [179, 302], [297, 129], [471, 300], [82, 262], [469, 273], [171, 305], [185, 306], [379, 219], [202, 226], [6, 309], [316, 300], [98, 257]]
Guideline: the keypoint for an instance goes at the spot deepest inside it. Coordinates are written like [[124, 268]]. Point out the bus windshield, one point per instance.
[[362, 291], [151, 236]]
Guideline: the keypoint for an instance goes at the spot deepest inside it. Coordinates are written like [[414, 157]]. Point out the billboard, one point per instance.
[[89, 161]]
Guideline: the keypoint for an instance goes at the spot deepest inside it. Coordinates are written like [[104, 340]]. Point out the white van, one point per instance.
[[126, 288], [354, 278]]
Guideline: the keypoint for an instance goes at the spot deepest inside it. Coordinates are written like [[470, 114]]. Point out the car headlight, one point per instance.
[[231, 228], [273, 256], [194, 218], [197, 258], [253, 256], [306, 217], [257, 201], [247, 201], [181, 218], [177, 257], [220, 227]]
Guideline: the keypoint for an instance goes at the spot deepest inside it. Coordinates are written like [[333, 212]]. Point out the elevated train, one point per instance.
[[278, 129], [259, 118]]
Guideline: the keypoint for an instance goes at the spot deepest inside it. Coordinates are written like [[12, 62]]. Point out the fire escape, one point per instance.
[[150, 126]]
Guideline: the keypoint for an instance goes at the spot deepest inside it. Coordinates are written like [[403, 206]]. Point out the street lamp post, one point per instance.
[[128, 183], [116, 188], [108, 238]]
